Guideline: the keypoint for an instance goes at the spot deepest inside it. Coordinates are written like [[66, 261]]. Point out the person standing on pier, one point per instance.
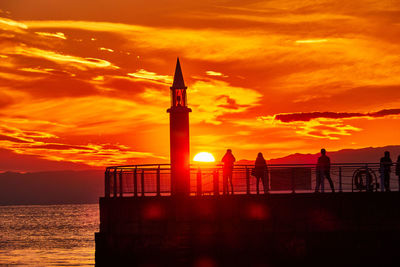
[[385, 169], [398, 170], [323, 170], [228, 161], [260, 172]]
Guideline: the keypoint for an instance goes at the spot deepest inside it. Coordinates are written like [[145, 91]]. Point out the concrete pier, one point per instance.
[[340, 229]]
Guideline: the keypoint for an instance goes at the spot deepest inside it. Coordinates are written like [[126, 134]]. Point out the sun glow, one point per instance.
[[204, 157]]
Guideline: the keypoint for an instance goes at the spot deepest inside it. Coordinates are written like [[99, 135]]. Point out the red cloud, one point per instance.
[[12, 139]]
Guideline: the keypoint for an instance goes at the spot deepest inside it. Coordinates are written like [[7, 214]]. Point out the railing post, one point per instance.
[[340, 179], [158, 182], [198, 180], [115, 183], [107, 183], [142, 182], [135, 193], [292, 178], [216, 183], [121, 186], [247, 181]]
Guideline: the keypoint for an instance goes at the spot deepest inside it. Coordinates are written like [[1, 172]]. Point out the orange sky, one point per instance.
[[87, 82]]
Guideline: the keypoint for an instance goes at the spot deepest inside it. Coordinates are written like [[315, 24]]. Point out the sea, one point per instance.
[[48, 235]]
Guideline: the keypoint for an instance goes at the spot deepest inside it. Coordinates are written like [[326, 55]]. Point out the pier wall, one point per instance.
[[250, 230]]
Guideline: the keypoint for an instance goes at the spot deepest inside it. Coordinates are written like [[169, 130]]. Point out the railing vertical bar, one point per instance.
[[247, 181], [340, 180], [142, 182], [158, 181], [135, 183], [115, 187], [198, 181]]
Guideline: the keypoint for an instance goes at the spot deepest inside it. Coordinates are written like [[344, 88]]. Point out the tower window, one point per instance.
[[180, 99]]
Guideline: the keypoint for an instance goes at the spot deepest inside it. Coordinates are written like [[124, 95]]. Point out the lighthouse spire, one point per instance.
[[178, 83]]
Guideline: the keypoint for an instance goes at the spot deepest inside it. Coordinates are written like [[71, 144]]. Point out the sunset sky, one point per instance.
[[85, 84]]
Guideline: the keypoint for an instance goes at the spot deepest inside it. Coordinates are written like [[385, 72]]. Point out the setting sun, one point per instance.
[[204, 157]]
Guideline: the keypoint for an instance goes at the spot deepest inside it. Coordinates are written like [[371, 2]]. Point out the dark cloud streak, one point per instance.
[[307, 116]]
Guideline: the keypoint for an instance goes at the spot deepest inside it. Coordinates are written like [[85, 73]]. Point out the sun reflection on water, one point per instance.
[[48, 235]]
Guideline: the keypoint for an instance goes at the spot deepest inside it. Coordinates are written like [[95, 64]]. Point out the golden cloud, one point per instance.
[[59, 35], [191, 43], [34, 143], [106, 49], [9, 23], [215, 73], [211, 99], [311, 41], [152, 76], [324, 128], [78, 62]]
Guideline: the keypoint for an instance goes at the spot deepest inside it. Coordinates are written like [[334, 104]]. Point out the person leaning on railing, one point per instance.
[[227, 172], [385, 169], [260, 171]]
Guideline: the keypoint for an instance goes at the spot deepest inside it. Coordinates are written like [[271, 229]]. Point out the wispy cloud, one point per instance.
[[311, 41], [78, 62], [148, 75], [215, 73], [59, 35], [35, 143], [4, 22], [106, 49]]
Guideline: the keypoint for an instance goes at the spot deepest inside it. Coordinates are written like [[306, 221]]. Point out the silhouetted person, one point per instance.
[[260, 172], [323, 170], [228, 161], [398, 170], [385, 169]]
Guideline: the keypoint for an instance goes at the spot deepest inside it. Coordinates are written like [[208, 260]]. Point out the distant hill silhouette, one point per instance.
[[362, 155], [55, 187]]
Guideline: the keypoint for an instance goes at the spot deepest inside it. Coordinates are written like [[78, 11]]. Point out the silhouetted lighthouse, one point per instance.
[[179, 136]]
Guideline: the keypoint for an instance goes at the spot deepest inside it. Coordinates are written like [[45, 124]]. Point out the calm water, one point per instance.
[[48, 235]]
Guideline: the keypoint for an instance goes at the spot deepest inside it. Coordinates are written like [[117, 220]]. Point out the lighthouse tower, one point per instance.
[[179, 136]]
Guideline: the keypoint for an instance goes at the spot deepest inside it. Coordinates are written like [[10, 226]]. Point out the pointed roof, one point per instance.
[[179, 83]]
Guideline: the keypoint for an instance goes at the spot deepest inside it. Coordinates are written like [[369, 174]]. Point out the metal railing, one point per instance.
[[155, 180]]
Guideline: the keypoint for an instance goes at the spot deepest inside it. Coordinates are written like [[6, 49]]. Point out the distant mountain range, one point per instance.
[[57, 187], [362, 155]]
